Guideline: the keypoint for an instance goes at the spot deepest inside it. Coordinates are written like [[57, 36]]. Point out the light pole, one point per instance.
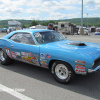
[[82, 30], [82, 16], [87, 20]]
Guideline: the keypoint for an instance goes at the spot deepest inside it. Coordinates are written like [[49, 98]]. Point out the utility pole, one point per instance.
[[87, 20], [82, 30], [82, 15]]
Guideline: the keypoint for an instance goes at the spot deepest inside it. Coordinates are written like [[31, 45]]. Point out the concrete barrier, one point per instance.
[[81, 31], [0, 30]]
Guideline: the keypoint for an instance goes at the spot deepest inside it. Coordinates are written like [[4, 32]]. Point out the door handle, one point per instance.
[[11, 45]]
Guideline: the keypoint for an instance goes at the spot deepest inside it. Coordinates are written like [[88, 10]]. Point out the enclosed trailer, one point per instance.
[[13, 25]]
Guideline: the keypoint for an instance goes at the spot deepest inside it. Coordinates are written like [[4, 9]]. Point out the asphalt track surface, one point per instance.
[[38, 84]]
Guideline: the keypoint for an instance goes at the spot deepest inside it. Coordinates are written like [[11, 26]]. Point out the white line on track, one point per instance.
[[14, 93]]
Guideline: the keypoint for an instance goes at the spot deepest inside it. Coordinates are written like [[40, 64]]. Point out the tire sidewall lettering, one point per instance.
[[52, 69], [69, 76]]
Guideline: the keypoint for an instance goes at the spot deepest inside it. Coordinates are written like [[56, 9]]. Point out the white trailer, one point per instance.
[[13, 25], [64, 27], [40, 27]]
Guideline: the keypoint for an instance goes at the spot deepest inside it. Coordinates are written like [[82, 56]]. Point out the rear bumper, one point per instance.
[[94, 70]]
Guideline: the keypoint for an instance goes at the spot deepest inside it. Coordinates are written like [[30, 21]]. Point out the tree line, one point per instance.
[[76, 21]]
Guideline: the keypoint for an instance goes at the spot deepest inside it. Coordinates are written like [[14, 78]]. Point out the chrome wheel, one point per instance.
[[2, 56], [61, 71]]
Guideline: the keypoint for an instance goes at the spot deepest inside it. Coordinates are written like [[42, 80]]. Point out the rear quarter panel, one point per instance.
[[4, 43]]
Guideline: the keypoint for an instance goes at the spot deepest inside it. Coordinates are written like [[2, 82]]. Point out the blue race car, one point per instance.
[[48, 49]]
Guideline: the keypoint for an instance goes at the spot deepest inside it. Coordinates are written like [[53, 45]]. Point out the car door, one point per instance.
[[24, 48]]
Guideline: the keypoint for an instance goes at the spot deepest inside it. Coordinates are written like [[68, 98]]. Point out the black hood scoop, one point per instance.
[[77, 43]]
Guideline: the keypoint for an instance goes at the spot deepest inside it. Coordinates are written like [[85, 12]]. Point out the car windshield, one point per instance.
[[47, 37]]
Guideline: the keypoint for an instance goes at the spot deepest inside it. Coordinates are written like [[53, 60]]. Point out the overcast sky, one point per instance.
[[48, 9]]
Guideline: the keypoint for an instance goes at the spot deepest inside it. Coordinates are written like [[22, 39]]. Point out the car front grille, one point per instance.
[[96, 63]]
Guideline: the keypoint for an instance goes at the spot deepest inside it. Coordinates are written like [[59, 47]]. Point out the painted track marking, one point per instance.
[[14, 93]]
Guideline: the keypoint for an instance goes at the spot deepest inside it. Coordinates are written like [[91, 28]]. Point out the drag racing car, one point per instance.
[[48, 49]]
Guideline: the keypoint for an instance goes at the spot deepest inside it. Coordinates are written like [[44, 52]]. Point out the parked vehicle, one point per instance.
[[85, 31], [4, 30], [48, 49], [97, 31]]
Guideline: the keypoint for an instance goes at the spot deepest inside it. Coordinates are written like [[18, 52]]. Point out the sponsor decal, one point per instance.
[[33, 55], [37, 64], [33, 58], [17, 53], [80, 69], [18, 56], [79, 61], [42, 56], [9, 55], [31, 62], [29, 59], [43, 63], [35, 61], [24, 58], [13, 54], [24, 54], [29, 54], [47, 56], [6, 48], [36, 56], [8, 52], [37, 34]]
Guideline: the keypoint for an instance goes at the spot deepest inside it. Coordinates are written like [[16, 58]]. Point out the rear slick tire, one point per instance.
[[4, 58]]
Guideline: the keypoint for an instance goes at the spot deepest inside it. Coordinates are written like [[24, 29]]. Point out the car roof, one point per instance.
[[27, 31], [33, 30]]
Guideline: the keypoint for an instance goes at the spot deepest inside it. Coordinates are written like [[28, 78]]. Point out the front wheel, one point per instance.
[[4, 58], [62, 72]]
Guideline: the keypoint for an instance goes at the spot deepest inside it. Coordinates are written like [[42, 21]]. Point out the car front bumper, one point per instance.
[[94, 70]]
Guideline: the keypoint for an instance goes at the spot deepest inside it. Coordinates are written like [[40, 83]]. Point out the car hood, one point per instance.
[[75, 46]]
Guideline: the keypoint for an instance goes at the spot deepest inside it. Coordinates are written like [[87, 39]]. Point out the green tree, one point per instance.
[[33, 23], [42, 23], [23, 26]]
